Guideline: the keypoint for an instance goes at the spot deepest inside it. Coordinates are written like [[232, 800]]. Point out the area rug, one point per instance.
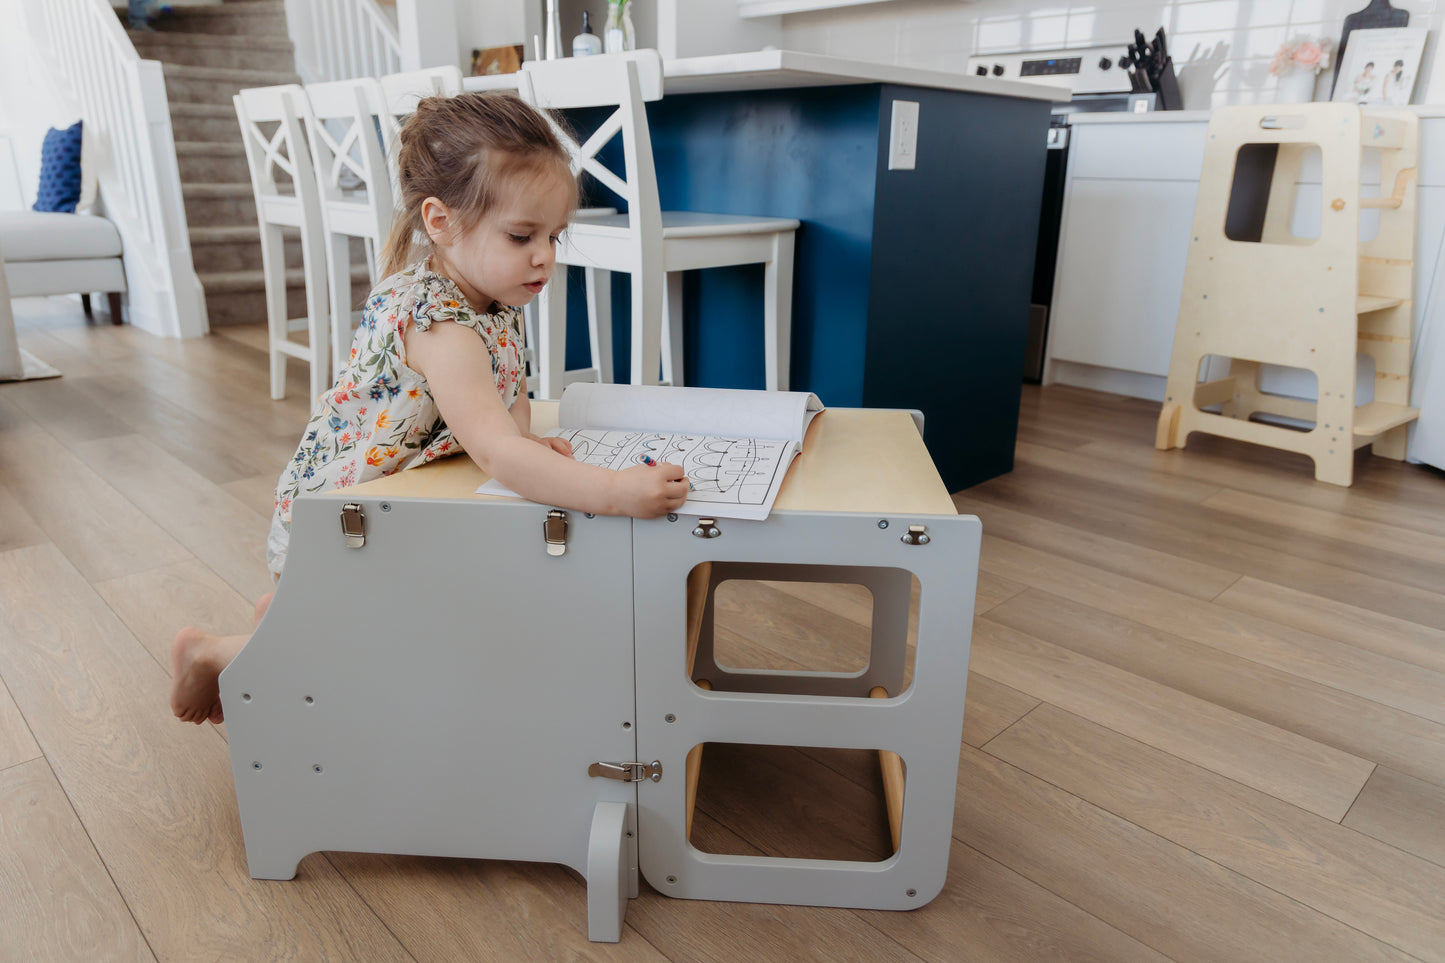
[[31, 368]]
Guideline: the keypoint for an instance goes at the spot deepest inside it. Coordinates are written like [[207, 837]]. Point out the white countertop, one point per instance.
[[778, 69], [1426, 112], [775, 69], [1148, 117]]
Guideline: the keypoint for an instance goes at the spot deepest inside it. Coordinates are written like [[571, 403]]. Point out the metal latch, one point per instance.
[[627, 771], [707, 528], [554, 532], [353, 525], [916, 535]]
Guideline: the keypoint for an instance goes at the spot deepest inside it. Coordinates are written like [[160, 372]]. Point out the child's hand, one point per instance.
[[560, 445], [647, 491]]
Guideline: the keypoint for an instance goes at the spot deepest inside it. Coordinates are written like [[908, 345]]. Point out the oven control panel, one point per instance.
[[1082, 70]]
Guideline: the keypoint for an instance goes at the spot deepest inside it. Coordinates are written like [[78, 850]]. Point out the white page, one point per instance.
[[705, 411], [733, 473]]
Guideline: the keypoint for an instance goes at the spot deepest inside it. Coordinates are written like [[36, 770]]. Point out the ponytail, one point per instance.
[[397, 254]]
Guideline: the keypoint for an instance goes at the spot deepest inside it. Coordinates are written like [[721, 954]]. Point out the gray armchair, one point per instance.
[[44, 254]]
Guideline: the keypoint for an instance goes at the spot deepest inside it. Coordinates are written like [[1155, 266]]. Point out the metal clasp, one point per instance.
[[707, 528], [916, 535], [554, 532], [353, 525], [627, 771]]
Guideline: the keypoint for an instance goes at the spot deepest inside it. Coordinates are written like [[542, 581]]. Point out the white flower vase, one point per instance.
[[1295, 87]]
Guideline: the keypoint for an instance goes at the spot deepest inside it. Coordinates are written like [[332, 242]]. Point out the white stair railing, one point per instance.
[[122, 100], [342, 39]]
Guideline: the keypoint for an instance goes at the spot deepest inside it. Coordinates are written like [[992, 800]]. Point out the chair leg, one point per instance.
[[778, 314], [273, 272], [338, 262], [318, 313], [672, 370], [114, 298], [646, 326], [599, 321], [551, 348], [85, 305]]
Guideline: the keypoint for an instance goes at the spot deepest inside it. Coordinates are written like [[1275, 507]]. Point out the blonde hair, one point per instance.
[[465, 151]]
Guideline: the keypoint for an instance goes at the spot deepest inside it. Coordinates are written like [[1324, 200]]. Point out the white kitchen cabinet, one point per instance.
[[1121, 268]]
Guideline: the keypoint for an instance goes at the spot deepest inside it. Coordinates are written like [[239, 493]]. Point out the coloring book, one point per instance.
[[734, 445]]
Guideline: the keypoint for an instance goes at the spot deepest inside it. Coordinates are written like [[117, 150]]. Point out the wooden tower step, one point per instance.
[[1365, 303], [1378, 417]]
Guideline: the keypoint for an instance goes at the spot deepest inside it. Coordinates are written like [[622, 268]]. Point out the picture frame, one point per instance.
[[1380, 67]]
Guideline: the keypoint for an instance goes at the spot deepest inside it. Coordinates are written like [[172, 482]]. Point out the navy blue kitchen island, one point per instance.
[[911, 287]]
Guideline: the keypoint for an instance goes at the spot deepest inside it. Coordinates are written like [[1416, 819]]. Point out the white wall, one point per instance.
[[1221, 48], [679, 28], [28, 106]]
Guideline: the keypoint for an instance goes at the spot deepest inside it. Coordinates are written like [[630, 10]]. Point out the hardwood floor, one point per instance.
[[1205, 718]]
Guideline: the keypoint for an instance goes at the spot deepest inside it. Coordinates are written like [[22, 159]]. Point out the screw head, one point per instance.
[[882, 523], [386, 506], [669, 718], [672, 516]]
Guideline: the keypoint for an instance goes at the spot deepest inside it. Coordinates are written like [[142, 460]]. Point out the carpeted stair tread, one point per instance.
[[223, 189], [185, 109], [252, 17], [236, 75], [221, 282], [226, 234], [210, 147], [186, 38]]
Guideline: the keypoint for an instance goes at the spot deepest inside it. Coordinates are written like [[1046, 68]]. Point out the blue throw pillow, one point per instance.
[[59, 171]]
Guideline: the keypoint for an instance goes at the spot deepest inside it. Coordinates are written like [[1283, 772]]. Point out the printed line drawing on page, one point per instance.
[[737, 471]]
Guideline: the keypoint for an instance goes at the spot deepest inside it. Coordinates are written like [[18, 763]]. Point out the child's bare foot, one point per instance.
[[196, 663], [262, 604]]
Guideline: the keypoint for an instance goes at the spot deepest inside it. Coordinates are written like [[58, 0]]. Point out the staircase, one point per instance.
[[209, 53]]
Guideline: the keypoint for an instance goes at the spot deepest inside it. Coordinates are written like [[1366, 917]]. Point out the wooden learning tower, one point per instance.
[[458, 675], [1256, 294]]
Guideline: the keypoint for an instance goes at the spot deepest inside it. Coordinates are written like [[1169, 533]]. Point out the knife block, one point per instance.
[[1168, 88]]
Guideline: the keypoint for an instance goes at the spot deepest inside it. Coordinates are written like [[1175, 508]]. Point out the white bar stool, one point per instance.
[[356, 197], [274, 139], [650, 245]]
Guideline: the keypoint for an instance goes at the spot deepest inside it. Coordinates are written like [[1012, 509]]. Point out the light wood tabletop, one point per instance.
[[853, 460]]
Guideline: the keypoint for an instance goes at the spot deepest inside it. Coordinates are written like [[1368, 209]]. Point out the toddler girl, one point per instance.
[[436, 367]]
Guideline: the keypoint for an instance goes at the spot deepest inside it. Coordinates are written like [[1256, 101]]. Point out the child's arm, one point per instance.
[[457, 367], [522, 415]]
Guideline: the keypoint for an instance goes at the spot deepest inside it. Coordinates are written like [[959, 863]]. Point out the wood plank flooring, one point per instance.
[[1205, 717]]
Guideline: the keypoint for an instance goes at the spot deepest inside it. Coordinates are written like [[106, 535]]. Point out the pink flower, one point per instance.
[[1303, 53]]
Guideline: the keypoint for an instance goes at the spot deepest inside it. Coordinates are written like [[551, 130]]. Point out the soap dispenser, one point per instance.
[[586, 43]]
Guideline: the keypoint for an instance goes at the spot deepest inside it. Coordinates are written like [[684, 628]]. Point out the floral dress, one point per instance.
[[379, 417]]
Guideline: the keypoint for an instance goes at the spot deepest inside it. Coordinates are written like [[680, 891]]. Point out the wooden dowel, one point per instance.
[[697, 581], [694, 768], [892, 765]]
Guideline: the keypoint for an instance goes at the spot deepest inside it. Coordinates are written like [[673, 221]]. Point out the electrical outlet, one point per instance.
[[903, 136]]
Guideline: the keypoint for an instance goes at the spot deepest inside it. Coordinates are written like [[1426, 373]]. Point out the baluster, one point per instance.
[[323, 37], [373, 36]]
